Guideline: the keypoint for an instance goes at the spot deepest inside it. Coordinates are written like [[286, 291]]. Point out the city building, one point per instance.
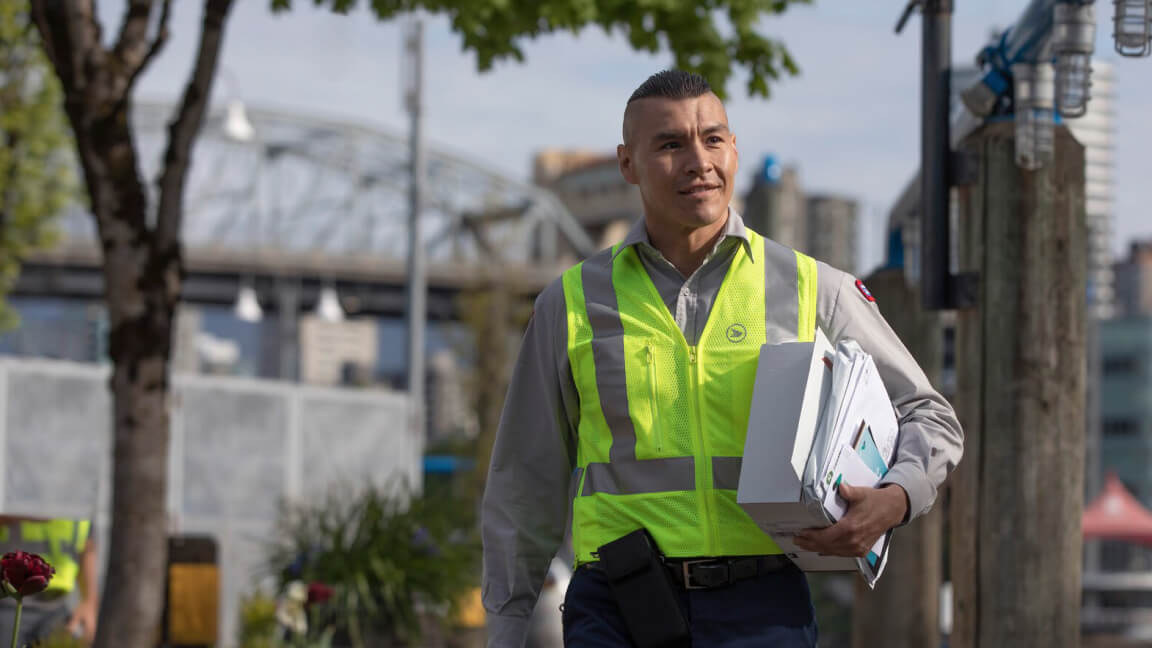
[[591, 187], [337, 352], [819, 224], [1133, 278], [1096, 130], [831, 225], [775, 206]]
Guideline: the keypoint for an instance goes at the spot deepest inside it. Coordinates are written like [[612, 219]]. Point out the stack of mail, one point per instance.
[[820, 417], [855, 441]]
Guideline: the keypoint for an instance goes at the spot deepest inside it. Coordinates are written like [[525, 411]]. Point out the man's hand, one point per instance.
[[871, 512], [83, 621]]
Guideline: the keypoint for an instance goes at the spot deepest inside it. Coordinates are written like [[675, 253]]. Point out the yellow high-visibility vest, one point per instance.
[[662, 423], [59, 542]]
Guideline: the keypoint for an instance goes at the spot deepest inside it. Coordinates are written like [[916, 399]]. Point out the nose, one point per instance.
[[698, 163]]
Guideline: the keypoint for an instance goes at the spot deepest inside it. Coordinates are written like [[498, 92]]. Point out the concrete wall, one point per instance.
[[239, 448]]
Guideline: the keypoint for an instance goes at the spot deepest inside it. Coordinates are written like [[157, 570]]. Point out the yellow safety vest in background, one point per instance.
[[662, 423], [60, 542]]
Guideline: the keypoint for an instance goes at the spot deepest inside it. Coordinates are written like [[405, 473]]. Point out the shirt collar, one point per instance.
[[733, 228]]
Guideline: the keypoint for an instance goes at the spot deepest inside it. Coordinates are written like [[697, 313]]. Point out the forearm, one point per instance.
[[89, 585], [931, 440], [526, 497]]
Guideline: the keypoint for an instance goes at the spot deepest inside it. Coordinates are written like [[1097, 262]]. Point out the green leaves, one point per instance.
[[387, 558], [36, 180], [711, 37]]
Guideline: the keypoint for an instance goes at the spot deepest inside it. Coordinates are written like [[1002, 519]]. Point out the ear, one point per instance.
[[624, 158]]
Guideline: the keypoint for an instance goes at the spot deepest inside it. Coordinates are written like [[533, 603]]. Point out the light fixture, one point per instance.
[[1132, 27], [1034, 91], [328, 305], [1073, 41], [247, 307], [236, 124]]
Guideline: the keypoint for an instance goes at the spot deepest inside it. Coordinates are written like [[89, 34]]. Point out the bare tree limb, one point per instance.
[[132, 44], [158, 43], [68, 30], [183, 129]]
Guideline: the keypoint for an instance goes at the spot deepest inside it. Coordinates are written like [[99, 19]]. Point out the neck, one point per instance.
[[684, 247]]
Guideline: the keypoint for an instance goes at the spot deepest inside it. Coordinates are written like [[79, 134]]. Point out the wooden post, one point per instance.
[[903, 610], [1017, 494]]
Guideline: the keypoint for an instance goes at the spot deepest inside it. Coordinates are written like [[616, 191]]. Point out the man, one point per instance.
[[631, 395], [67, 545]]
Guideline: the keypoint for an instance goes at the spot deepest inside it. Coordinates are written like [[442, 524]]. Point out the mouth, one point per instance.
[[700, 190]]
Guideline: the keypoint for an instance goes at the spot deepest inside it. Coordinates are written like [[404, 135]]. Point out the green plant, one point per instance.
[[257, 621], [389, 557]]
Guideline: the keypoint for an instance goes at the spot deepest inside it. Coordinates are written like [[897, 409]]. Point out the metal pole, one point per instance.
[[935, 153], [417, 282]]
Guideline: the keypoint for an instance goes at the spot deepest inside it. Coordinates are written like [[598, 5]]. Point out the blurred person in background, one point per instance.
[[630, 399], [68, 546]]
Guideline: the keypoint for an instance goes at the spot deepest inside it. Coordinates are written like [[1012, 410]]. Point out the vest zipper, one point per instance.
[[703, 488], [654, 395]]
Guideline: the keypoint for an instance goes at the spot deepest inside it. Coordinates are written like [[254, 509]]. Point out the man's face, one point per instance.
[[683, 157]]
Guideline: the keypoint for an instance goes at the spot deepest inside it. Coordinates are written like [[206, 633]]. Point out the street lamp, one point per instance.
[[1073, 41], [236, 124], [247, 307], [1132, 27], [328, 305]]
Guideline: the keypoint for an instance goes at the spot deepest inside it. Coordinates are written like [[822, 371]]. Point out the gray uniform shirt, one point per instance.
[[528, 494]]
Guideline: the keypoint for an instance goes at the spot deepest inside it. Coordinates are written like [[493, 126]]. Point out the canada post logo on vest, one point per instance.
[[736, 333]]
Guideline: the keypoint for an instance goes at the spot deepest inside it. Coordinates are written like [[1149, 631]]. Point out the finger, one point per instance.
[[852, 493]]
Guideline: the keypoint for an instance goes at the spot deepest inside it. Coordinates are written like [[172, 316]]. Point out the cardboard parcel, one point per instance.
[[820, 417]]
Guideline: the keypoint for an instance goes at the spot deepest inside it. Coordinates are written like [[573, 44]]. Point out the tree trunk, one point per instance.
[[142, 271]]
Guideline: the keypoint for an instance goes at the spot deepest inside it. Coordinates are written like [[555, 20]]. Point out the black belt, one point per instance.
[[709, 573]]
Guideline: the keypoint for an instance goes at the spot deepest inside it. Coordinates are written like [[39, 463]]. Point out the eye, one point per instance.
[[668, 146], [715, 139]]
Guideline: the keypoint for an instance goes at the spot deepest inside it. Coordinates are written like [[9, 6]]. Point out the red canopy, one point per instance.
[[1117, 515]]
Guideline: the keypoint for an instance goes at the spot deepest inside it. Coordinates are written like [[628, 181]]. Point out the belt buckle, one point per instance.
[[684, 569]]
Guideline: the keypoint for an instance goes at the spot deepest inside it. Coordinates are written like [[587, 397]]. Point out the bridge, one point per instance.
[[288, 205]]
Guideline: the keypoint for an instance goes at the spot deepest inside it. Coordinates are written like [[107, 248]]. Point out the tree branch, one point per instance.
[[183, 129], [157, 43], [132, 44], [69, 31]]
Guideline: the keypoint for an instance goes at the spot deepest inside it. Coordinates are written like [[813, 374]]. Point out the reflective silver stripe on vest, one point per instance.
[[632, 477], [781, 297], [608, 354], [726, 472]]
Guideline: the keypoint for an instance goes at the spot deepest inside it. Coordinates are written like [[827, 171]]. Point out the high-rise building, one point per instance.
[[1097, 132], [822, 225], [774, 206], [1133, 278], [831, 225]]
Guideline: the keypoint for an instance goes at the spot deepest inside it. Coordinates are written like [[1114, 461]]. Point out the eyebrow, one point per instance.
[[680, 134]]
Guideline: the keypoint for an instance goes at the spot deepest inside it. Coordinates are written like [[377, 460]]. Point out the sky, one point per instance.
[[849, 121]]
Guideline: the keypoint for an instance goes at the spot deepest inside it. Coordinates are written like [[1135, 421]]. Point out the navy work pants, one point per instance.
[[769, 611]]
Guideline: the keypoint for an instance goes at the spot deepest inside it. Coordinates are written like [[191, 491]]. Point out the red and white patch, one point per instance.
[[864, 291]]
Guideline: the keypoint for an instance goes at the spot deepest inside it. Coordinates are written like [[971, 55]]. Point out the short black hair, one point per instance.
[[672, 84]]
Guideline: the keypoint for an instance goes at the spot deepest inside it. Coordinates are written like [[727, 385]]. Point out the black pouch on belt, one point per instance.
[[645, 592]]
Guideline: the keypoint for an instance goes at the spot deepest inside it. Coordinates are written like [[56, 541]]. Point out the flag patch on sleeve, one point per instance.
[[864, 291]]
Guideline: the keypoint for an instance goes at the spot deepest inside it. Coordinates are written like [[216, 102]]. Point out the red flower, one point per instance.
[[318, 593], [25, 573]]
